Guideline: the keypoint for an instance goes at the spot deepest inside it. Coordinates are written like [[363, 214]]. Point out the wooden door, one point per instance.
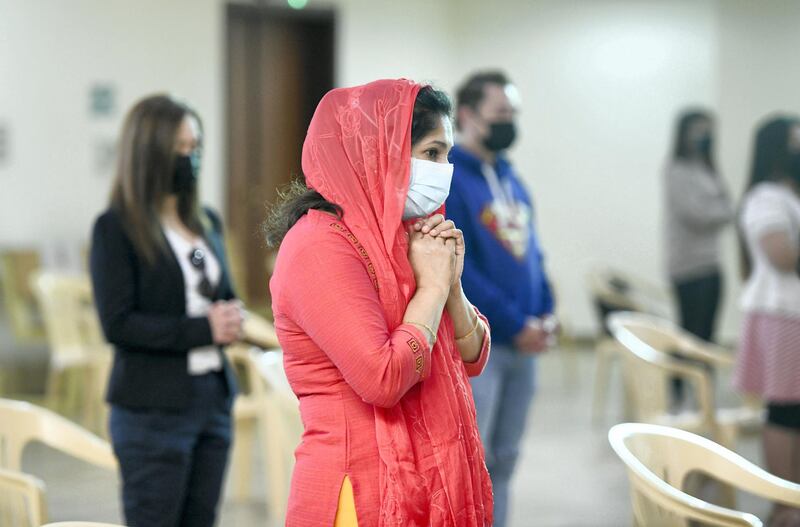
[[280, 64]]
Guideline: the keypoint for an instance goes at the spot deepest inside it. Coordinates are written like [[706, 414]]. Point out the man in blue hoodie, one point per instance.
[[503, 271]]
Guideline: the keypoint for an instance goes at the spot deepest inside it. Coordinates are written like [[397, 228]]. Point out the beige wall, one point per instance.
[[53, 52], [757, 75], [601, 81]]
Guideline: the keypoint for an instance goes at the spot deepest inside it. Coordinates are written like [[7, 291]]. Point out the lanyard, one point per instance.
[[504, 203]]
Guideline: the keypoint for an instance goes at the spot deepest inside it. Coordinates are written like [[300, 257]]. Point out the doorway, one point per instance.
[[280, 63]]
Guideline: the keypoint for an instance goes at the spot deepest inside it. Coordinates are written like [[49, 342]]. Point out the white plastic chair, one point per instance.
[[80, 358], [22, 423], [259, 332], [16, 268], [659, 459], [266, 409], [651, 345], [22, 502], [622, 291]]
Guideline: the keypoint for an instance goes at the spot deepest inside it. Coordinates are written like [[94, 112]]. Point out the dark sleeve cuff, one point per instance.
[[197, 333]]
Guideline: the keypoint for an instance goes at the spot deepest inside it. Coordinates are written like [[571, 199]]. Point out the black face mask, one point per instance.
[[187, 168], [704, 144], [501, 136]]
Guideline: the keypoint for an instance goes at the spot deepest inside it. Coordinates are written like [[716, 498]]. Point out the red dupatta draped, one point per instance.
[[357, 154]]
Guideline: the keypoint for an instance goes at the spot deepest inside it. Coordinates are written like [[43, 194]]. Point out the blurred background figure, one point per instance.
[[503, 268], [166, 303], [769, 362], [697, 208]]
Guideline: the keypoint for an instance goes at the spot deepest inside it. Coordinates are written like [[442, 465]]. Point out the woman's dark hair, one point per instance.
[[429, 108], [682, 149], [296, 199], [771, 155], [771, 162], [145, 171]]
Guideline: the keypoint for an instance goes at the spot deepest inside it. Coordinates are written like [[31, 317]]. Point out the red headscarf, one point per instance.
[[357, 154]]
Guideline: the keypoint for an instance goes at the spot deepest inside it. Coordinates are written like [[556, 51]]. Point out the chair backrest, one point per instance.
[[651, 345], [284, 423], [615, 290], [660, 458], [282, 406], [70, 317], [607, 286], [264, 388], [22, 502], [664, 334], [270, 367], [265, 393], [646, 367], [22, 423], [258, 331], [16, 268]]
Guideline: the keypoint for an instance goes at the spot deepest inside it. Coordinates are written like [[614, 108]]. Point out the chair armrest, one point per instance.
[[65, 436], [707, 352], [685, 505], [731, 468]]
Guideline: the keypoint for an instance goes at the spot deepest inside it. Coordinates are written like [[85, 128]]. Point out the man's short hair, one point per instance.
[[472, 92]]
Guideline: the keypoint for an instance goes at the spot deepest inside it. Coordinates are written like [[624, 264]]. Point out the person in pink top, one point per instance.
[[378, 337], [768, 362]]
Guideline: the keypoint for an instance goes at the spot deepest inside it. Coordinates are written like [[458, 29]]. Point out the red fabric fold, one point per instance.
[[357, 154]]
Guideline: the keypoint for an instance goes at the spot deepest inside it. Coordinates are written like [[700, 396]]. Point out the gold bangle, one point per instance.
[[473, 330], [427, 327]]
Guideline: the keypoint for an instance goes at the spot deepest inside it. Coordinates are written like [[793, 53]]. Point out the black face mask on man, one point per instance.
[[501, 136], [187, 170]]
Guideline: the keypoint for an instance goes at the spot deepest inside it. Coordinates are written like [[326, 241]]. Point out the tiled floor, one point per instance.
[[568, 475]]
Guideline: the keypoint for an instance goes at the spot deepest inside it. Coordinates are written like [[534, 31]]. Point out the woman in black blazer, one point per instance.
[[165, 302]]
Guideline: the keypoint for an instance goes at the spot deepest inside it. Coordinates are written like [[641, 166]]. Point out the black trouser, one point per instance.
[[698, 302], [786, 415], [173, 462]]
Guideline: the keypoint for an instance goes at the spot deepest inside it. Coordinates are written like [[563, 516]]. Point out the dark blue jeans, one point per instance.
[[173, 462], [503, 395]]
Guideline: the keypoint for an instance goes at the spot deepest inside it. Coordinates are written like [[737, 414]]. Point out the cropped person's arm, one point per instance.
[[330, 295], [779, 250], [113, 281], [471, 331], [766, 220], [694, 203]]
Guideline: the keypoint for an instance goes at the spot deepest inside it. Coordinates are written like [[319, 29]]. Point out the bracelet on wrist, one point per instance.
[[473, 330], [427, 328]]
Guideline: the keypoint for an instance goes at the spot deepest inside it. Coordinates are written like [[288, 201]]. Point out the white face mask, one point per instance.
[[428, 187]]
